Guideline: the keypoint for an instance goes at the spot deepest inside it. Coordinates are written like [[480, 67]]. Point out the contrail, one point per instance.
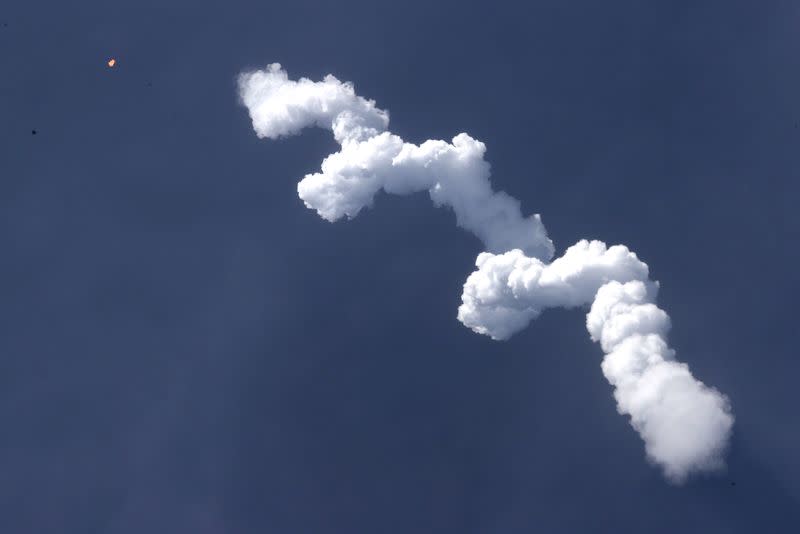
[[685, 424]]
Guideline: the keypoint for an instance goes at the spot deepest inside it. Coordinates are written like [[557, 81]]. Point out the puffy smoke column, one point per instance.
[[455, 174], [685, 424]]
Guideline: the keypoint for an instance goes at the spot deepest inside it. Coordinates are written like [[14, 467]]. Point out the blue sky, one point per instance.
[[186, 348]]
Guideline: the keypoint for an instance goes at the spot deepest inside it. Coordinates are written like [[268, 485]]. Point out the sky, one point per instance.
[[185, 347]]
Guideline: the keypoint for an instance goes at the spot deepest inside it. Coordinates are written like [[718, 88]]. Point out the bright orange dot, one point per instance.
[[112, 62]]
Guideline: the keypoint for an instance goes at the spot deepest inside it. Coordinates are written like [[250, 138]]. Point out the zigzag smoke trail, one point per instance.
[[685, 424]]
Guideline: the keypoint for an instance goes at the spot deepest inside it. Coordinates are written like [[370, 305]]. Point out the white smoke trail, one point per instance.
[[685, 424], [372, 159]]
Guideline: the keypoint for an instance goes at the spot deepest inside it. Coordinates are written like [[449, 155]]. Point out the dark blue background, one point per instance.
[[185, 348]]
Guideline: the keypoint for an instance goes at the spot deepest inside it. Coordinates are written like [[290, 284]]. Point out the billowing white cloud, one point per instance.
[[372, 159], [508, 290], [281, 107], [685, 424]]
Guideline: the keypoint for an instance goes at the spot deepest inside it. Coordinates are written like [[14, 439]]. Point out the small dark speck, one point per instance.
[[733, 483], [149, 84], [33, 132]]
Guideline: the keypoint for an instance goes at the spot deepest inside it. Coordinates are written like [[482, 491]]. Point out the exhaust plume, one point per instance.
[[685, 424]]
